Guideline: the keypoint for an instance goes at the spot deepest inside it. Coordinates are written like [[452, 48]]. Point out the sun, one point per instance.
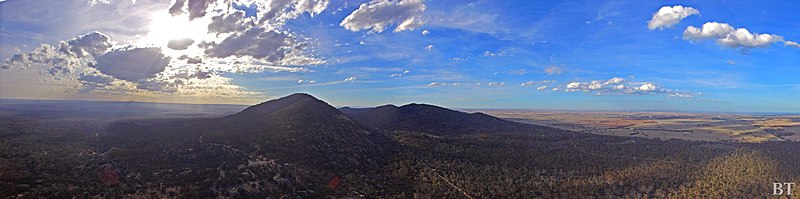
[[165, 27]]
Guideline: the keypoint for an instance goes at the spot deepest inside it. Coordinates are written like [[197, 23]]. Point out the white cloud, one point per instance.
[[399, 74], [574, 85], [441, 84], [541, 88], [731, 62], [528, 83], [619, 85], [497, 84], [667, 16], [310, 81], [493, 54], [211, 86], [553, 70], [727, 35], [277, 12], [708, 30], [180, 44], [520, 71], [68, 59], [681, 95], [425, 32], [647, 87], [743, 38], [614, 80], [429, 47], [377, 15], [791, 44], [273, 13], [595, 85], [350, 79]]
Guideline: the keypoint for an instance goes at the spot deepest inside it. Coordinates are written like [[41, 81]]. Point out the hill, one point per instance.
[[302, 129], [292, 146], [433, 120]]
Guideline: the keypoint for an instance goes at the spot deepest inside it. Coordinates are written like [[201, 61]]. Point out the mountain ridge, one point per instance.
[[431, 119]]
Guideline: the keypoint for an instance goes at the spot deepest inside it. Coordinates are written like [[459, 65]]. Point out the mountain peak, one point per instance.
[[299, 96], [387, 106], [274, 105], [415, 105]]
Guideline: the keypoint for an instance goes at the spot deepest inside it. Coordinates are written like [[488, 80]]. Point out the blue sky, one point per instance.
[[731, 56]]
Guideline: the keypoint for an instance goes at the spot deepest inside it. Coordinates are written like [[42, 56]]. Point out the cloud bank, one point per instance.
[[618, 85]]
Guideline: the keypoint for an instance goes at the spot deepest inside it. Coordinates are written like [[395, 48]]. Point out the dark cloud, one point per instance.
[[177, 8], [191, 60], [93, 43], [258, 43], [132, 64], [231, 22], [159, 86], [199, 74], [95, 78], [196, 8]]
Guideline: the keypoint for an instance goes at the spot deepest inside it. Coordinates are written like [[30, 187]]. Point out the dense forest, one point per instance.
[[522, 166]]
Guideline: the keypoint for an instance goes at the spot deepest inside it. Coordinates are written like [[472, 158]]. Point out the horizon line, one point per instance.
[[466, 109]]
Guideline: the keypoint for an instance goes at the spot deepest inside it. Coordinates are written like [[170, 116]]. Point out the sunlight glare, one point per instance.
[[165, 27]]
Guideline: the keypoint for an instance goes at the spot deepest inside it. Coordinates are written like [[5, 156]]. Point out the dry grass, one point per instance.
[[663, 125]]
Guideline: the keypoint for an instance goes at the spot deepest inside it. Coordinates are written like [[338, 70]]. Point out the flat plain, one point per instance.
[[664, 125]]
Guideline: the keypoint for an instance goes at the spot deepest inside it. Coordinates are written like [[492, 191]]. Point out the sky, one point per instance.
[[717, 56]]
